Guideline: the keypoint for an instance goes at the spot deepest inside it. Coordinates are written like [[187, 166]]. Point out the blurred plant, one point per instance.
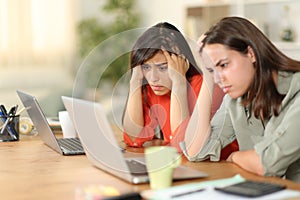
[[93, 31]]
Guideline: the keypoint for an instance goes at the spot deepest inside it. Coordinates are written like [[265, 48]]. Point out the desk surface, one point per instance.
[[31, 170]]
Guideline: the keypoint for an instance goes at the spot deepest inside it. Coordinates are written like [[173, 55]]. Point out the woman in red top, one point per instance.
[[164, 86]]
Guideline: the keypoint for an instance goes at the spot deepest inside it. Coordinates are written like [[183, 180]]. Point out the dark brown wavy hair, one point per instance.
[[151, 42], [162, 35], [238, 34]]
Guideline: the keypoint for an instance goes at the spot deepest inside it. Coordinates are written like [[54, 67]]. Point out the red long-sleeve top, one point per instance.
[[157, 113]]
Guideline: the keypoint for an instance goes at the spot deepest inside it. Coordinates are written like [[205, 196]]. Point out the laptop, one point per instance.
[[102, 149], [64, 146]]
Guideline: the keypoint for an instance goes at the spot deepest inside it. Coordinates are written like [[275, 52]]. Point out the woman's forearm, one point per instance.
[[179, 109], [249, 160], [199, 128], [133, 121]]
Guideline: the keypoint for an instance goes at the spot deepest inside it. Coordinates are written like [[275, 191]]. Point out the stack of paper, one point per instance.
[[205, 190]]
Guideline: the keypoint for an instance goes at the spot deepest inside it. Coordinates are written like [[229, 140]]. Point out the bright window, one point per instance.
[[36, 32]]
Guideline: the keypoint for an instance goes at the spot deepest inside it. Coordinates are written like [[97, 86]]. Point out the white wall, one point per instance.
[[155, 11]]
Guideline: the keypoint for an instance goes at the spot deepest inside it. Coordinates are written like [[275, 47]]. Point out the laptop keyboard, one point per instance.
[[136, 168], [70, 145]]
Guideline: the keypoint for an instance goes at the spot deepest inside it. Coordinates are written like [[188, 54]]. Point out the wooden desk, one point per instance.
[[31, 170]]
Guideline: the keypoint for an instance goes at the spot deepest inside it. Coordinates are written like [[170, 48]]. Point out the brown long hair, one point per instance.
[[166, 35], [238, 34]]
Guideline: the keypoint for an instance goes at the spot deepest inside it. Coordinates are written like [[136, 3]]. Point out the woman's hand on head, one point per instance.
[[205, 61], [203, 57], [200, 41], [178, 65], [137, 75]]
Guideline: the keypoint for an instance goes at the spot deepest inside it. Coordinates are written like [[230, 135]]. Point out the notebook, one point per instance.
[[102, 149], [64, 146]]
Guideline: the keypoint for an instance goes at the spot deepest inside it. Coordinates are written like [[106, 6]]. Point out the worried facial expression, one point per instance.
[[232, 70], [155, 71]]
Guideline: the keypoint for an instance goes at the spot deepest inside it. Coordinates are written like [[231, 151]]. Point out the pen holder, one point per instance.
[[9, 128]]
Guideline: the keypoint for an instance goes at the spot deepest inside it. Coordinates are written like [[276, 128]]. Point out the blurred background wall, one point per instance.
[[39, 48]]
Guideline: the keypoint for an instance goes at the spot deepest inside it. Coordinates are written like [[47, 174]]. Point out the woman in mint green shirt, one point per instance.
[[261, 108]]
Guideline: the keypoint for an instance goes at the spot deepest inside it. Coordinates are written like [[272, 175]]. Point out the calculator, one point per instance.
[[251, 188]]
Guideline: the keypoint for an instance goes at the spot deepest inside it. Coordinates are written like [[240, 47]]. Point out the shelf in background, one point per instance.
[[270, 16]]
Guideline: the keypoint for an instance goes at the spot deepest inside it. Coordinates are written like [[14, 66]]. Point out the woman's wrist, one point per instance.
[[179, 83], [135, 84]]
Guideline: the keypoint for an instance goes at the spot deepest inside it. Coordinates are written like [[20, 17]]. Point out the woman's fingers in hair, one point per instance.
[[184, 58], [186, 61], [167, 54], [176, 61], [137, 73], [200, 41]]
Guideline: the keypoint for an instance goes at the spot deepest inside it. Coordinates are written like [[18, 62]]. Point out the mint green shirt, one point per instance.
[[278, 144]]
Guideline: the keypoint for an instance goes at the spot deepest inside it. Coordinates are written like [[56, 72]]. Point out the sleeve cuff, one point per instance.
[[213, 153]]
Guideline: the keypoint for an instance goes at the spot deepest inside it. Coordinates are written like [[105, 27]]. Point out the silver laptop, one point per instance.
[[64, 146], [101, 146]]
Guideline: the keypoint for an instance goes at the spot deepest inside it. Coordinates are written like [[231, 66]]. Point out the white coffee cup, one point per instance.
[[66, 125]]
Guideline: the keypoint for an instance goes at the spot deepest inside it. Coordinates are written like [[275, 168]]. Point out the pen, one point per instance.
[[3, 116], [180, 194], [5, 124], [8, 118], [16, 114], [13, 110], [22, 110], [3, 110]]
